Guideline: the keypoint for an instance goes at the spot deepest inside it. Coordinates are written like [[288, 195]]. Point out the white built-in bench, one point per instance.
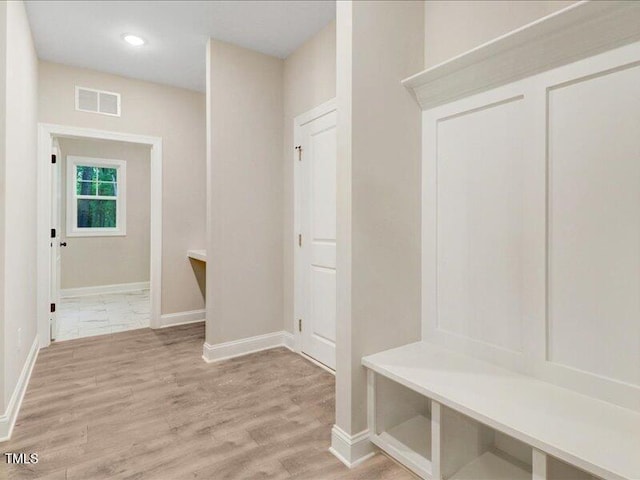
[[529, 260], [465, 419]]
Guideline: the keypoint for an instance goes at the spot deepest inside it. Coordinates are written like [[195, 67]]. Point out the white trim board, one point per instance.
[[9, 417], [315, 112], [46, 134], [351, 450], [182, 318], [289, 340], [316, 363], [103, 289], [571, 34], [245, 346]]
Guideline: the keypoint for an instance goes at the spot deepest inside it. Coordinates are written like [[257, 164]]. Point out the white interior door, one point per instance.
[[316, 256], [56, 206]]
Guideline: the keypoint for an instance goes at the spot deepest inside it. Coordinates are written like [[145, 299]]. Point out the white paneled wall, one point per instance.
[[594, 224], [531, 230], [479, 223]]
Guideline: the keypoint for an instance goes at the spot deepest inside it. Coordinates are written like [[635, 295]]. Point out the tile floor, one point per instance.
[[80, 317]]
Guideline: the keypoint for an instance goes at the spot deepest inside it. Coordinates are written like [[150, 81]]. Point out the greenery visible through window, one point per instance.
[[96, 193], [96, 196]]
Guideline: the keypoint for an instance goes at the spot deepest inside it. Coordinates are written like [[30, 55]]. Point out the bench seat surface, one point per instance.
[[591, 434]]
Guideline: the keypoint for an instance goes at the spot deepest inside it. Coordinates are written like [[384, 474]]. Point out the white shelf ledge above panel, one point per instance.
[[552, 419], [490, 466], [197, 255], [576, 32], [409, 443]]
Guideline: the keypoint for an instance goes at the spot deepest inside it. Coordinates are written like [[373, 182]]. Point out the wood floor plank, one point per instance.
[[143, 405]]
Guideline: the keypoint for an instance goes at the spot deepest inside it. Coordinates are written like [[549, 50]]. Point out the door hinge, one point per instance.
[[299, 324], [54, 158], [53, 233], [299, 239], [299, 149], [53, 308]]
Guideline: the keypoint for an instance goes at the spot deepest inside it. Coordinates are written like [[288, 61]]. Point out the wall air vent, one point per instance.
[[97, 101]]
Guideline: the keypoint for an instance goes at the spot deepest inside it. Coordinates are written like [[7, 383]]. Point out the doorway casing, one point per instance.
[[46, 134]]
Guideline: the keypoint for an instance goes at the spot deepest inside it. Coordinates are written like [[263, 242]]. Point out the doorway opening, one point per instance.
[[101, 203], [100, 212]]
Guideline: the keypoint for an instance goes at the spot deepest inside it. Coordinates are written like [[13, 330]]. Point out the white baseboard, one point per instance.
[[103, 289], [289, 340], [351, 450], [8, 419], [237, 348], [317, 363], [182, 318]]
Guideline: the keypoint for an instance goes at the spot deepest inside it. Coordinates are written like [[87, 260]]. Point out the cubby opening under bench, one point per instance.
[[445, 415]]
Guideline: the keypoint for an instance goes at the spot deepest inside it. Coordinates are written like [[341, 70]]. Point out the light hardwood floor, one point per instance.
[[143, 404]]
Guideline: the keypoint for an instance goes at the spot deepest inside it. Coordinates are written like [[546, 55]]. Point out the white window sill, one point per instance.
[[97, 233]]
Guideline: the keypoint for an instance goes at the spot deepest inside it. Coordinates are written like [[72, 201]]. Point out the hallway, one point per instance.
[[143, 404]]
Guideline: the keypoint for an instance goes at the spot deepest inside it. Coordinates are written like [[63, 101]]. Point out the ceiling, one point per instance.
[[89, 33]]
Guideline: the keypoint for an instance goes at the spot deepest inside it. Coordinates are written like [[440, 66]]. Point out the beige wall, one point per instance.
[[91, 261], [244, 237], [309, 80], [379, 145], [454, 27], [18, 282], [176, 115]]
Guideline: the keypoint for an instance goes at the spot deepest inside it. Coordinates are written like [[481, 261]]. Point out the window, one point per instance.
[[96, 203]]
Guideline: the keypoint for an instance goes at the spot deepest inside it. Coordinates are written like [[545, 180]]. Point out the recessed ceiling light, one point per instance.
[[134, 40]]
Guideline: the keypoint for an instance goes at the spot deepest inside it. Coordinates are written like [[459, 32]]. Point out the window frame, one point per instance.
[[120, 229]]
